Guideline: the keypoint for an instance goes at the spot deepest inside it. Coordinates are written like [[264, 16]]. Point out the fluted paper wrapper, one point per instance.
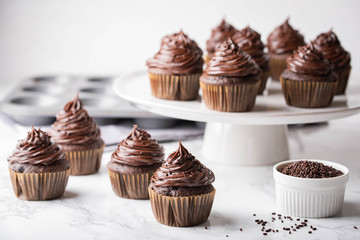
[[234, 98], [277, 65], [39, 186], [85, 162], [343, 76], [175, 87], [264, 75], [308, 94], [181, 211], [133, 186]]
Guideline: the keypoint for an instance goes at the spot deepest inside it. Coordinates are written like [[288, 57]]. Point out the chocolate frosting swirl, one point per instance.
[[284, 39], [231, 61], [249, 41], [36, 149], [74, 126], [182, 169], [218, 35], [178, 54], [330, 46], [307, 60], [138, 149]]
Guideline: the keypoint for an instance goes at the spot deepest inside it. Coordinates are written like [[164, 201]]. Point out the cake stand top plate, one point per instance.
[[269, 109]]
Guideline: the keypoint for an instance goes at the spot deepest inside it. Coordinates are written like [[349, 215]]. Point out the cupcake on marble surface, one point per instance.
[[175, 69], [38, 168], [281, 43], [231, 80], [181, 190], [133, 163], [218, 35], [249, 41], [308, 81], [79, 136], [330, 46]]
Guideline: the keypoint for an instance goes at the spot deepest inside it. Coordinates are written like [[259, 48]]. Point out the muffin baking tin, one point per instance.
[[38, 99]]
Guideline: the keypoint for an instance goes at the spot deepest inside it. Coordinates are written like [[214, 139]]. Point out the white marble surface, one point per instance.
[[90, 210]]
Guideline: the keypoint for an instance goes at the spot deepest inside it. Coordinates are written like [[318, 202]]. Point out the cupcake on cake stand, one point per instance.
[[254, 138]]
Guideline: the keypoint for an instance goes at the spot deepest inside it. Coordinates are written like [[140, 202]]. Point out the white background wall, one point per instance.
[[112, 36]]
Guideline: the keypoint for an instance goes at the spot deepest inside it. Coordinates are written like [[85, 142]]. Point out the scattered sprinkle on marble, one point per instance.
[[289, 226]]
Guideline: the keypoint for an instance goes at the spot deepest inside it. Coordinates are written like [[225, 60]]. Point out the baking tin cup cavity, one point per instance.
[[310, 197], [36, 101]]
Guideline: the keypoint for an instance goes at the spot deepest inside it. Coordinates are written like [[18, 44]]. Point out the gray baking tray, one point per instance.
[[36, 100]]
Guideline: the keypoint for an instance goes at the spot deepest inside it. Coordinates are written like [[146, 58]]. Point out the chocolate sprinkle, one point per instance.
[[310, 169]]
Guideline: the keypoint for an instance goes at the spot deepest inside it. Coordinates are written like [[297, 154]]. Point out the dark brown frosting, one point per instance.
[[74, 126], [178, 54], [309, 61], [330, 46], [249, 41], [218, 35], [284, 39], [230, 61], [138, 149], [36, 148], [182, 169]]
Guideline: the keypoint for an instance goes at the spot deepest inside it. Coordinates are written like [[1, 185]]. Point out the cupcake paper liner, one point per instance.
[[343, 75], [133, 186], [175, 87], [277, 65], [39, 186], [264, 75], [308, 94], [181, 211], [85, 162], [235, 98]]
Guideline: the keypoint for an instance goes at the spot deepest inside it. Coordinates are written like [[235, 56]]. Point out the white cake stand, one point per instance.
[[253, 138]]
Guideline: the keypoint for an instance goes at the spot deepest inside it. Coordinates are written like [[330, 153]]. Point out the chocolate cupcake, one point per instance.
[[330, 46], [218, 35], [133, 163], [308, 81], [38, 168], [174, 71], [281, 43], [249, 41], [79, 136], [181, 191], [231, 79]]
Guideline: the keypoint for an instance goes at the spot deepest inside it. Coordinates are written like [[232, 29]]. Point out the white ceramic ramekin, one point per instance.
[[310, 197]]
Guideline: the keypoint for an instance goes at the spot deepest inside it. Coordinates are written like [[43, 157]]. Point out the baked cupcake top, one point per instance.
[[74, 126], [36, 149], [284, 39], [249, 41], [307, 60], [218, 35], [138, 149], [182, 169], [229, 61], [330, 46], [178, 54]]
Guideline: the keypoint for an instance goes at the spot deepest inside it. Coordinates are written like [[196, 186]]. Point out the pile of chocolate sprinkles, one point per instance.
[[310, 169]]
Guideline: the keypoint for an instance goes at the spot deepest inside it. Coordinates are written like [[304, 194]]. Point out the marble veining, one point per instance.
[[90, 210]]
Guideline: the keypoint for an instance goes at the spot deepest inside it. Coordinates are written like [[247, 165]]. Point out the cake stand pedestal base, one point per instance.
[[245, 145]]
